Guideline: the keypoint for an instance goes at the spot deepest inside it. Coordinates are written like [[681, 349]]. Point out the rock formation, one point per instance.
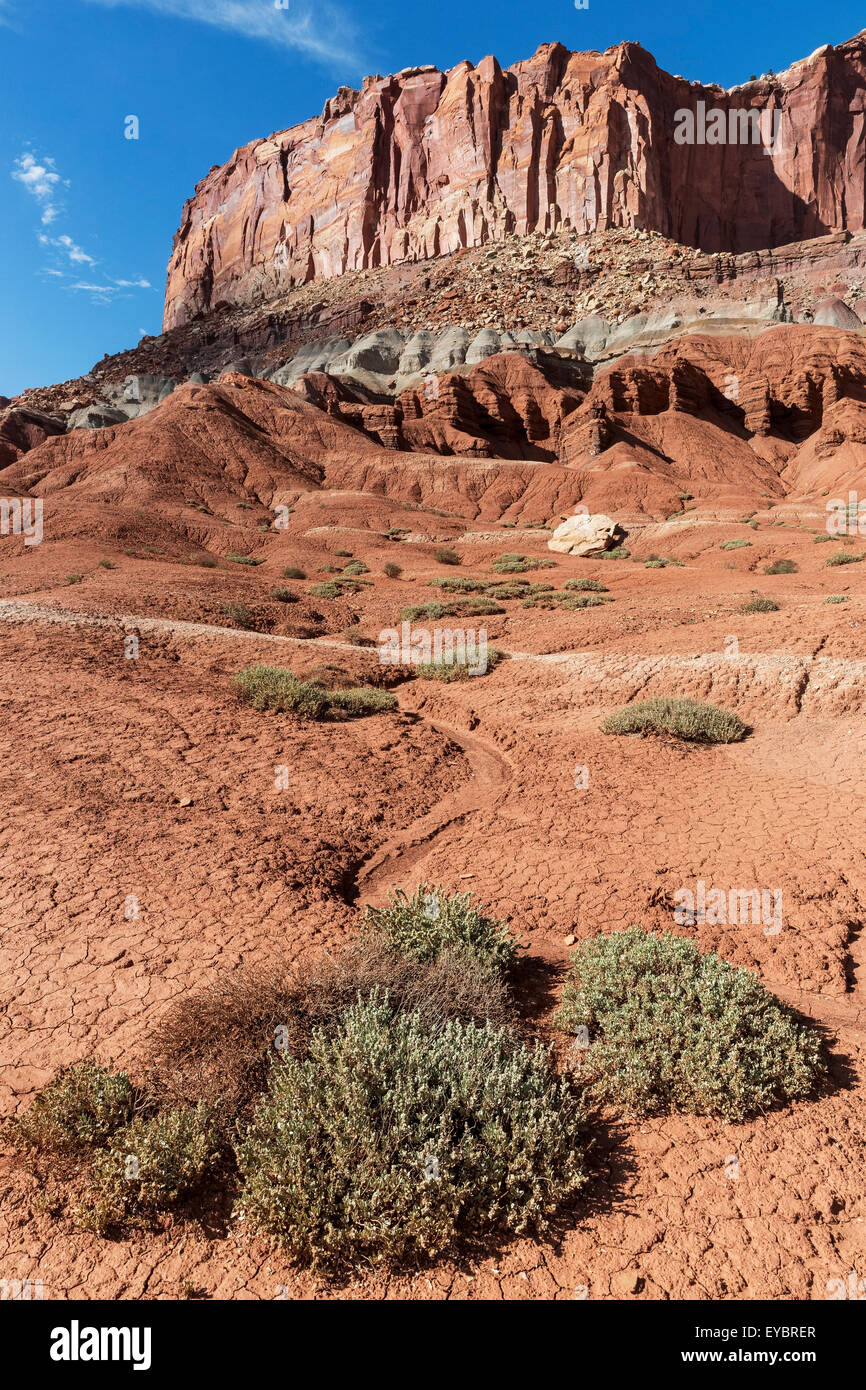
[[423, 163]]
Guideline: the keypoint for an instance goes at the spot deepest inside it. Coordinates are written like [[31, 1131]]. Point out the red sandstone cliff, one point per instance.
[[425, 162]]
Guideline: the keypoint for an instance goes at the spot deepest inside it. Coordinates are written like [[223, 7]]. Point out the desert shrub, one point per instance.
[[458, 584], [512, 563], [570, 601], [329, 588], [80, 1108], [396, 533], [243, 559], [207, 562], [593, 586], [512, 589], [844, 557], [354, 635], [150, 1166], [618, 552], [685, 496], [356, 567], [820, 540], [444, 556], [682, 718], [291, 572], [457, 608], [217, 1044], [275, 688], [284, 595], [759, 605], [454, 669], [387, 1142], [781, 567], [432, 921], [739, 544], [836, 598], [391, 571], [343, 554], [359, 700], [74, 578], [659, 562], [671, 1028], [108, 565], [238, 614]]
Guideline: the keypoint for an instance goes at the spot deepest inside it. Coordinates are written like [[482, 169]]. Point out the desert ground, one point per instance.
[[145, 781]]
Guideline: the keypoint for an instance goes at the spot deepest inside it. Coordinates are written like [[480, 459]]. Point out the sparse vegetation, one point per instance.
[[457, 584], [356, 567], [284, 595], [618, 552], [391, 571], [107, 565], [822, 539], [739, 544], [243, 559], [680, 718], [274, 688], [456, 669], [657, 562], [836, 598], [149, 1167], [592, 586], [207, 562], [74, 578], [759, 605], [512, 563], [845, 557], [80, 1108], [672, 1029], [444, 556], [433, 923], [781, 567], [238, 614], [292, 573], [390, 1142], [457, 608]]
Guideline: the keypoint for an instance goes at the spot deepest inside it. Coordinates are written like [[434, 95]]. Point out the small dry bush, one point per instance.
[[80, 1108], [679, 717]]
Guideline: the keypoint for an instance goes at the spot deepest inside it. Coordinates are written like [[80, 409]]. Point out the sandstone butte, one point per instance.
[[425, 162]]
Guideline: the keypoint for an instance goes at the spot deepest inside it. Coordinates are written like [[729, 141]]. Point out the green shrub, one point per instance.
[[844, 557], [284, 595], [74, 578], [108, 565], [679, 717], [456, 670], [570, 601], [356, 567], [618, 552], [511, 563], [149, 1167], [759, 605], [443, 556], [80, 1108], [274, 688], [238, 614], [329, 588], [457, 608], [820, 540], [389, 1143], [593, 586], [671, 1029], [458, 584], [513, 589], [781, 567], [433, 922], [740, 544], [391, 571], [836, 598], [292, 573], [343, 554], [243, 559]]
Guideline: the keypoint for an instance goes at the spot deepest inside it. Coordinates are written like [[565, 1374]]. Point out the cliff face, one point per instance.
[[423, 163]]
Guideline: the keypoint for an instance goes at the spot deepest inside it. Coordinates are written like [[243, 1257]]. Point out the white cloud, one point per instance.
[[322, 31], [139, 284], [65, 244], [40, 180]]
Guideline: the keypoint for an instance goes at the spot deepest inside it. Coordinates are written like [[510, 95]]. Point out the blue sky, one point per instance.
[[88, 215]]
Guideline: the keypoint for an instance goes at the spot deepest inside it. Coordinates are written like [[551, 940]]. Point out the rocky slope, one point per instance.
[[423, 163]]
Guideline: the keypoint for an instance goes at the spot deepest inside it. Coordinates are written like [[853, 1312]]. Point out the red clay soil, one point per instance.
[[148, 779]]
